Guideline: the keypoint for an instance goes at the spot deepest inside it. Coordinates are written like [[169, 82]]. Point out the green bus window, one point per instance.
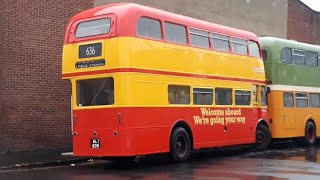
[[178, 94], [242, 97], [95, 92], [264, 54], [298, 57], [202, 96], [239, 46], [149, 28], [311, 59], [286, 55], [314, 100], [93, 28], [223, 96], [288, 100], [199, 38], [220, 42], [254, 49], [175, 33], [301, 100], [264, 99]]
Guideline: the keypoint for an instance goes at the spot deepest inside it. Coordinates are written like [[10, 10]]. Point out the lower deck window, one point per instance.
[[179, 94], [202, 96], [223, 96], [301, 100], [95, 92], [242, 97], [288, 99]]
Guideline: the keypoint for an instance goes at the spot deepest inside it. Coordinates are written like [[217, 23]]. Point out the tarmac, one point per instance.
[[40, 158]]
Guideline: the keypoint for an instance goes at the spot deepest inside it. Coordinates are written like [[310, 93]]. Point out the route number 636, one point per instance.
[[90, 51]]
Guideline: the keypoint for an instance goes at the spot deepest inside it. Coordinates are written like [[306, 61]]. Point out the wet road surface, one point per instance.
[[225, 164]]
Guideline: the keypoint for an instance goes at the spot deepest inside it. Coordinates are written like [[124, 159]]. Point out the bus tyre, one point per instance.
[[263, 137], [310, 133], [180, 145]]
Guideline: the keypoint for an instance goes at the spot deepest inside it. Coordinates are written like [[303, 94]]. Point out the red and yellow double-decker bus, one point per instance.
[[146, 81]]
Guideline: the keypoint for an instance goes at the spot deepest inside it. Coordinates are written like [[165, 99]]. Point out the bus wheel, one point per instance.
[[310, 133], [180, 145], [263, 137]]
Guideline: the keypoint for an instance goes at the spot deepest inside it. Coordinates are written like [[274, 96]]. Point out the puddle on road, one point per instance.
[[309, 154]]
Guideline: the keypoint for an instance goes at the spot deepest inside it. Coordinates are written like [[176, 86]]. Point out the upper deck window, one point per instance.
[[175, 33], [311, 59], [254, 49], [286, 55], [149, 28], [199, 38], [220, 42], [93, 28], [298, 57], [239, 46]]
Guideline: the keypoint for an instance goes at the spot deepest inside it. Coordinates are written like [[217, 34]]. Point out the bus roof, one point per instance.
[[278, 43], [129, 12]]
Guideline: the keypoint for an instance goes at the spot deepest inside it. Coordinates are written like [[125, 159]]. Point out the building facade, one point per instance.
[[35, 102]]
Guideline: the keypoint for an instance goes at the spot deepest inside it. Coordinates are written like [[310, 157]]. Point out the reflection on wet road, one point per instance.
[[226, 164]]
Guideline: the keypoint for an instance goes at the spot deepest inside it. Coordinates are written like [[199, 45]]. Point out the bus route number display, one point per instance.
[[90, 50]]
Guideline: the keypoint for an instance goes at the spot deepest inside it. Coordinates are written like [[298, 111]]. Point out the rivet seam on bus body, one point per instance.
[[115, 133]]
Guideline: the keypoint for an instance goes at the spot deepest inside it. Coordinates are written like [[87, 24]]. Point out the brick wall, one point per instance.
[[34, 101], [303, 23]]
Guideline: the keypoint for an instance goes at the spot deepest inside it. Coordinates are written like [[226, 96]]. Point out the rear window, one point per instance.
[[93, 28], [95, 92]]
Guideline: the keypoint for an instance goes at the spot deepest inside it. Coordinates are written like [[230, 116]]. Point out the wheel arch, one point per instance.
[[182, 123]]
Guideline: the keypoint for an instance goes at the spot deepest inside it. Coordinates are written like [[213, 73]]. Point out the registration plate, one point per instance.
[[90, 50], [95, 143]]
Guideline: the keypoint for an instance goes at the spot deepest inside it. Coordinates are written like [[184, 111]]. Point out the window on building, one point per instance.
[[179, 94], [264, 99], [242, 97], [288, 100], [220, 42], [239, 46], [93, 28], [298, 57], [199, 38], [149, 28], [175, 33], [264, 54], [202, 96], [314, 100], [301, 100], [286, 56], [95, 92], [254, 49], [311, 59], [223, 96]]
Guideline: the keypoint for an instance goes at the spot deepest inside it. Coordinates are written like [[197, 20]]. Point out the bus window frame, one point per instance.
[[250, 97], [232, 50], [189, 33], [71, 37], [161, 29], [201, 87], [222, 34]]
